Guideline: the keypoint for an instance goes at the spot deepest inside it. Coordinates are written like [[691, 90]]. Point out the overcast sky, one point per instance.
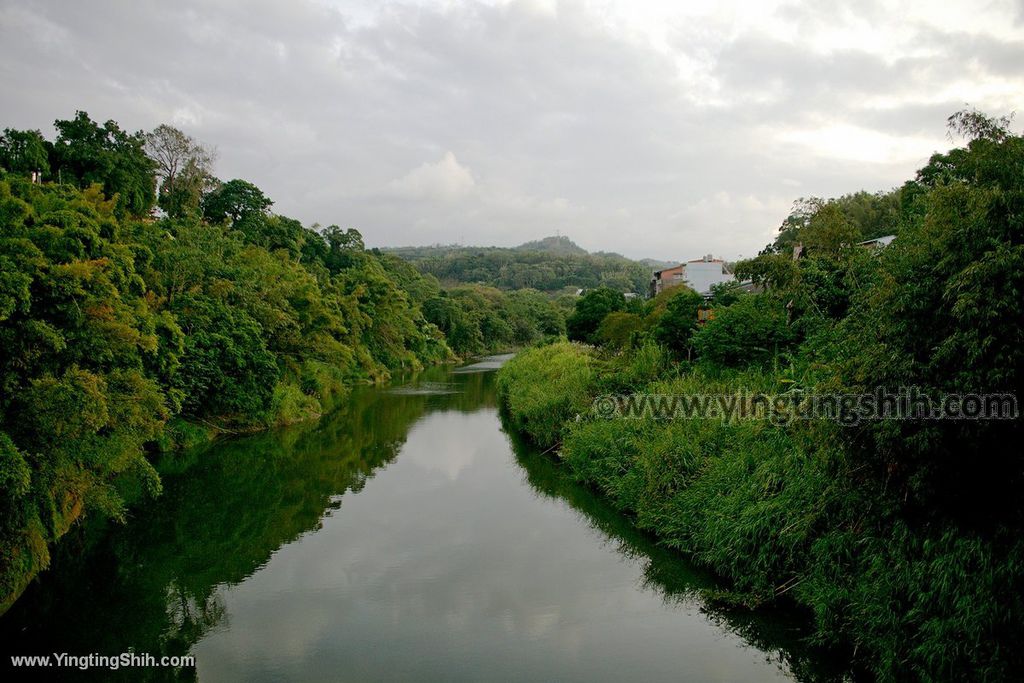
[[661, 129]]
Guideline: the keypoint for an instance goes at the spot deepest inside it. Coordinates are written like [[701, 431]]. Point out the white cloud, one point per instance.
[[645, 127], [446, 180]]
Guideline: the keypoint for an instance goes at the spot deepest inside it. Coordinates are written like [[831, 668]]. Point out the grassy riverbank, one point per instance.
[[783, 512]]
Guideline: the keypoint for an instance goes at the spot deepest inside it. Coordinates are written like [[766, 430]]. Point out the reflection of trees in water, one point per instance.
[[188, 620], [780, 634], [225, 509]]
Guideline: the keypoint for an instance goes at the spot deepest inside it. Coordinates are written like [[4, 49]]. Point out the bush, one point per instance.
[[545, 387], [591, 309], [617, 328], [749, 332]]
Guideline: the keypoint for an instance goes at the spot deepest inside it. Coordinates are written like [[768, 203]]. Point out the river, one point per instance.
[[406, 536]]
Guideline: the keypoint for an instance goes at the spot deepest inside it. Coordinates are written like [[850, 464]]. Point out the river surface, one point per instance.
[[407, 536]]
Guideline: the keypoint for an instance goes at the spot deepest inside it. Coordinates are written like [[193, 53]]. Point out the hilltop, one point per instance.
[[552, 264], [555, 244]]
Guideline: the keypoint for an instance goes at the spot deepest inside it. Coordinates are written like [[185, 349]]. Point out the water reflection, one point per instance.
[[468, 557]]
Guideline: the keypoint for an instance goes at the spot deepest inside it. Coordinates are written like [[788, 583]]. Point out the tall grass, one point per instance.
[[781, 513], [545, 387]]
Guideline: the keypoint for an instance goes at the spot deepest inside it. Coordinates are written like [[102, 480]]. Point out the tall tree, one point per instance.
[[24, 151], [184, 169], [86, 152]]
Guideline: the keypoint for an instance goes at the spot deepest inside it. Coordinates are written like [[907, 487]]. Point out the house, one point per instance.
[[669, 277], [699, 274]]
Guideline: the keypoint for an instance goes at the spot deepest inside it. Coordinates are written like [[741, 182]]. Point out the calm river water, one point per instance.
[[407, 536]]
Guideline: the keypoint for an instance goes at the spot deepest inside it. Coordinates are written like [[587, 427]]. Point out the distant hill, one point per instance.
[[553, 245], [553, 264], [655, 264]]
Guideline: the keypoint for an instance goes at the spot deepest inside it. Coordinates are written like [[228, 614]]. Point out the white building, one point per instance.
[[700, 275]]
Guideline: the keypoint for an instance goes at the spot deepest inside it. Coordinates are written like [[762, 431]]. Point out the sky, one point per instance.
[[667, 130]]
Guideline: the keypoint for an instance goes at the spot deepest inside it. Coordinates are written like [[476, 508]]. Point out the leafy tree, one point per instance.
[[591, 309], [529, 267], [617, 328], [829, 231], [768, 270], [726, 293], [184, 169], [751, 331], [674, 318], [86, 152], [799, 218], [234, 202], [462, 332], [941, 313], [24, 151], [226, 368]]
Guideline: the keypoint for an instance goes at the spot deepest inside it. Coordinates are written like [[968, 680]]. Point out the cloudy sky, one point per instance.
[[662, 129]]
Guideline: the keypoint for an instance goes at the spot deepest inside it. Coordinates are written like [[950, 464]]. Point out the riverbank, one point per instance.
[[298, 550], [780, 511]]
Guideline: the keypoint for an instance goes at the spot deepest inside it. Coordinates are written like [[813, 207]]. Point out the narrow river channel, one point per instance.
[[407, 536]]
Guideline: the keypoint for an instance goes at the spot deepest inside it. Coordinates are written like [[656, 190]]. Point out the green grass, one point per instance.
[[780, 512]]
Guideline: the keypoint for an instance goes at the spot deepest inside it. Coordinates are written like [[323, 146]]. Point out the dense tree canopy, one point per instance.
[[536, 265], [86, 152], [591, 309], [124, 332]]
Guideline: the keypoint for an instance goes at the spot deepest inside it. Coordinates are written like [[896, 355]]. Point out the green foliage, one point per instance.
[[591, 309], [477, 319], [225, 368], [544, 387], [830, 225], [123, 333], [24, 151], [86, 152], [617, 328], [549, 265], [751, 331], [901, 536], [942, 314], [674, 318], [184, 170]]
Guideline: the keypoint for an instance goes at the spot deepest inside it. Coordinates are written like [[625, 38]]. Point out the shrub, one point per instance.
[[545, 387], [749, 332]]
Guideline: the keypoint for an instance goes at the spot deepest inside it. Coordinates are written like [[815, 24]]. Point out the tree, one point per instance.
[[617, 328], [234, 202], [245, 208], [798, 219], [24, 151], [184, 169], [86, 153], [942, 314], [344, 248], [676, 322], [226, 368], [591, 309], [749, 332], [829, 231]]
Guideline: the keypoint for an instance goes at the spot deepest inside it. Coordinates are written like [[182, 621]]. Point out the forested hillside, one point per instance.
[[898, 528], [145, 304], [554, 264]]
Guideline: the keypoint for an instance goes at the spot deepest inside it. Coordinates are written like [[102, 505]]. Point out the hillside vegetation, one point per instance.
[[125, 330], [553, 264], [902, 538]]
